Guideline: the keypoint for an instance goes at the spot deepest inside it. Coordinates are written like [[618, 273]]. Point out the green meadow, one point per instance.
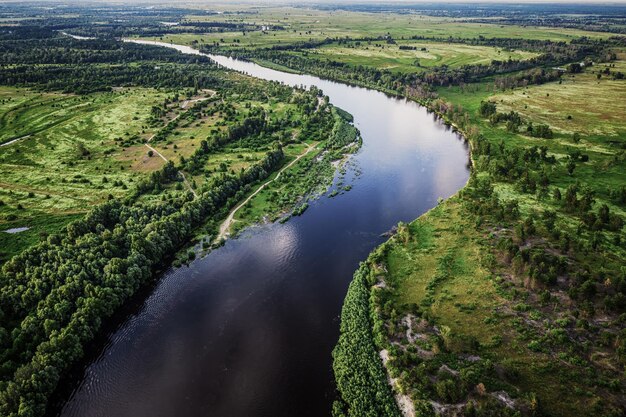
[[425, 55], [304, 25], [68, 156]]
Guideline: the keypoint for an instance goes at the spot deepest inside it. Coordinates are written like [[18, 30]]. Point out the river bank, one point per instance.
[[276, 291]]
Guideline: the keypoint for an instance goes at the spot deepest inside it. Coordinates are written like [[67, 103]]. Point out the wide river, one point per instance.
[[248, 330]]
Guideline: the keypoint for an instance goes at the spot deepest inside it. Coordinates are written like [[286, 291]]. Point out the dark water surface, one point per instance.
[[249, 329]]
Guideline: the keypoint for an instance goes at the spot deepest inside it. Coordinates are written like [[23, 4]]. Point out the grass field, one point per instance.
[[68, 158], [440, 263], [596, 112], [595, 105], [338, 23], [302, 25], [426, 54]]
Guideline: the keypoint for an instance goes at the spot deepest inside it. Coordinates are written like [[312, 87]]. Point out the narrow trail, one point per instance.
[[181, 172], [225, 226], [14, 140], [183, 106], [155, 133]]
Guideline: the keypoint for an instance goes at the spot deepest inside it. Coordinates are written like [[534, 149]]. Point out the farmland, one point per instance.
[[301, 25]]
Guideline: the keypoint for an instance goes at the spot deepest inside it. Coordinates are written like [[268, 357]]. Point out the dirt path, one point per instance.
[[155, 133], [225, 226], [181, 172], [14, 140], [184, 104]]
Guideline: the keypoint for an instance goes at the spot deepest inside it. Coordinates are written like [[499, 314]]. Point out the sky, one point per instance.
[[311, 2]]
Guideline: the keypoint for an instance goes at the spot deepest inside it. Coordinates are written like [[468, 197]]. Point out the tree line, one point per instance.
[[54, 296], [55, 62]]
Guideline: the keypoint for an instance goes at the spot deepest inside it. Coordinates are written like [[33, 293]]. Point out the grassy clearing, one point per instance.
[[440, 264], [596, 112], [233, 157], [425, 55], [596, 106], [69, 158]]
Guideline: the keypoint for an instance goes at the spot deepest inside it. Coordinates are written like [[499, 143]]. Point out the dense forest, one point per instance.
[[52, 61]]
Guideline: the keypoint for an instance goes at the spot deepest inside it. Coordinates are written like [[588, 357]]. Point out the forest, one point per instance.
[[507, 299]]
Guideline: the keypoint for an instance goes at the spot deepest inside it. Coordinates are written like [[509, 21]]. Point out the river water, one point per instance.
[[248, 330]]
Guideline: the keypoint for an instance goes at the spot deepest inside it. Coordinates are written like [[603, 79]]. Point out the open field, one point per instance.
[[596, 116], [304, 25], [69, 156], [270, 203], [596, 106], [441, 264], [381, 55], [338, 23]]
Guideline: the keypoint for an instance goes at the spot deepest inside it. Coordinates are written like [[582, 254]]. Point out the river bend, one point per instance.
[[248, 330]]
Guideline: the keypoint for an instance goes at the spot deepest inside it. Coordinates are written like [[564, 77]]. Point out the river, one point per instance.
[[249, 329]]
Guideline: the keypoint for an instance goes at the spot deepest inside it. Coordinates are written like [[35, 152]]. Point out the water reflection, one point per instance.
[[249, 329]]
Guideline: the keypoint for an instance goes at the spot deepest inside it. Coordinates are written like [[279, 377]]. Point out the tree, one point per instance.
[[487, 108], [574, 68], [549, 218], [571, 165], [571, 198]]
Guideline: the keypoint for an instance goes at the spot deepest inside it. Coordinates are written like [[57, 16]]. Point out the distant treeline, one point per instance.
[[87, 79], [54, 62], [117, 30], [551, 54], [59, 49]]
